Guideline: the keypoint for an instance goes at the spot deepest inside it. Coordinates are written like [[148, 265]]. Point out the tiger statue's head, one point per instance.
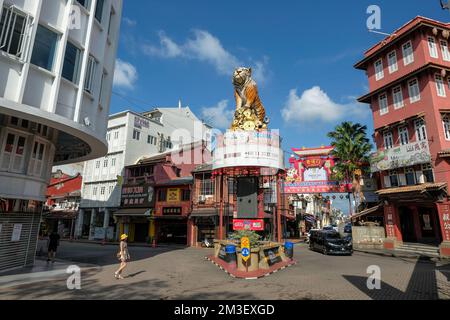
[[241, 76]]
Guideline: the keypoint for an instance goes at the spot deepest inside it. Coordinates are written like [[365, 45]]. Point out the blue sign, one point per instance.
[[245, 252]]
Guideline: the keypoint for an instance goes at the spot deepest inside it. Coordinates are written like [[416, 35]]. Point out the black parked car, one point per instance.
[[348, 228], [330, 242]]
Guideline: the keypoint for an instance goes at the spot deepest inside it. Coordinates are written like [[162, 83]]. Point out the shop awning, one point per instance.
[[367, 211], [421, 188], [206, 212], [140, 212], [60, 214]]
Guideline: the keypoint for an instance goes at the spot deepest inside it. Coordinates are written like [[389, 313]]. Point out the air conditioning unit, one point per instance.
[[201, 199]]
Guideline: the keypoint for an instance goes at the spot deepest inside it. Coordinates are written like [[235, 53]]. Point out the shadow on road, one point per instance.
[[422, 284]]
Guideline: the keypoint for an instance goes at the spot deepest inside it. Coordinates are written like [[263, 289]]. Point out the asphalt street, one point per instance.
[[183, 273]]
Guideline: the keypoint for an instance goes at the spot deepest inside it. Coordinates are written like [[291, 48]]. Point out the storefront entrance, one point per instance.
[[407, 224], [172, 232], [141, 232]]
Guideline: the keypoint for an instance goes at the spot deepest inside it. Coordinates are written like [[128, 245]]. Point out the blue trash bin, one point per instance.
[[231, 253], [289, 249]]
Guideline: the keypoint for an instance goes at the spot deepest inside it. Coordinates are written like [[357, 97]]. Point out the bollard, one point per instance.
[[289, 249], [231, 254]]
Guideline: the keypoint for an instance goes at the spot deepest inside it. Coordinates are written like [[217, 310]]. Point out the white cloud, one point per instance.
[[260, 72], [205, 47], [130, 22], [218, 116], [167, 48], [125, 74], [315, 105]]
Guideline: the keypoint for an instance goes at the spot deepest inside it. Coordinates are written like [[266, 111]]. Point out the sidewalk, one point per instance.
[[41, 271], [116, 243], [396, 254]]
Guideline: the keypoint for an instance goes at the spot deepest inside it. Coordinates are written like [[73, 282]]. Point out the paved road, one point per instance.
[[183, 273]]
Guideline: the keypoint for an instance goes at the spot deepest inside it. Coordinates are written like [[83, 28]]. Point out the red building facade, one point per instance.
[[409, 82], [156, 196], [61, 209]]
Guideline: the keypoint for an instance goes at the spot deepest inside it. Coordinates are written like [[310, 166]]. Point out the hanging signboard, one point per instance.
[[173, 195], [137, 196], [402, 156]]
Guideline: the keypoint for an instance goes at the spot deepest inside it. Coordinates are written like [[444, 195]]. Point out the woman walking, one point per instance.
[[123, 255]]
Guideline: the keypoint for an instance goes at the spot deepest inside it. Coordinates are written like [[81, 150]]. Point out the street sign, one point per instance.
[[245, 248]]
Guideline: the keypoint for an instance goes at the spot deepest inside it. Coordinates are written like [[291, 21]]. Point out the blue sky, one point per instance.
[[302, 54]]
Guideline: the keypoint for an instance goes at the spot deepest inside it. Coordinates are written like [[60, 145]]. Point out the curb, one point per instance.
[[250, 278], [129, 244]]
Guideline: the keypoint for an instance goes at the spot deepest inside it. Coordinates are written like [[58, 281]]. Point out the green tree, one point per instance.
[[352, 148]]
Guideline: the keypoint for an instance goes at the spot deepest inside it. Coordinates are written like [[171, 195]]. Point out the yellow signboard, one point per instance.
[[245, 248], [173, 195]]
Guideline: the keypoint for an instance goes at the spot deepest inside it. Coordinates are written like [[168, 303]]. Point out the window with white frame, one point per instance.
[[403, 135], [97, 164], [432, 47], [94, 191], [108, 136], [410, 176], [379, 72], [12, 157], [421, 131], [99, 10], [116, 135], [398, 97], [105, 163], [427, 171], [446, 124], [111, 189], [37, 159], [408, 53], [392, 62], [388, 140], [393, 177], [440, 87], [15, 28], [90, 75], [102, 191], [414, 90], [113, 162], [444, 50], [383, 103]]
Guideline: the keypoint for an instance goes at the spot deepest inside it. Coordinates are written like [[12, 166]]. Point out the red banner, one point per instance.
[[244, 224]]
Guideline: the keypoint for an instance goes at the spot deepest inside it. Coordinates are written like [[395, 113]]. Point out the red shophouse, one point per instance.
[[409, 82], [156, 195], [61, 208]]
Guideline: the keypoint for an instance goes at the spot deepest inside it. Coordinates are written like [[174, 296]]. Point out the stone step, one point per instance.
[[419, 247], [426, 253]]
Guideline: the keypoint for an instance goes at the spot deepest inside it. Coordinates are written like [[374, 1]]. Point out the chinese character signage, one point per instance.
[[173, 195], [137, 196], [402, 156], [141, 123], [311, 174]]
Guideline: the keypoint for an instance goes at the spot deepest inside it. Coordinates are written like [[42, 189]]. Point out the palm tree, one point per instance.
[[352, 148]]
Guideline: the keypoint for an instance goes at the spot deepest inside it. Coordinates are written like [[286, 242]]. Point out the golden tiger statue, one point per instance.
[[250, 113]]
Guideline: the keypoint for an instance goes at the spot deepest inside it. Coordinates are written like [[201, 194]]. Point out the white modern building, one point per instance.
[[57, 60], [131, 136]]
